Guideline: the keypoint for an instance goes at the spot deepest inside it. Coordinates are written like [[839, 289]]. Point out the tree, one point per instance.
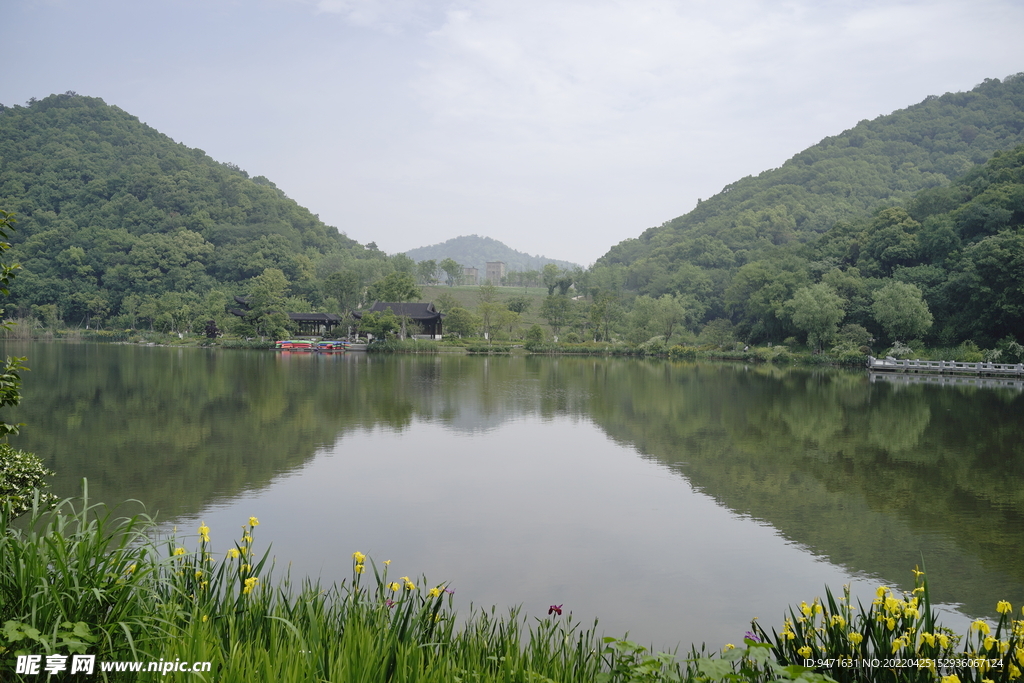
[[459, 321], [519, 304], [453, 270], [550, 276], [267, 293], [381, 323], [488, 293], [557, 310], [395, 288], [490, 316], [21, 473], [817, 310], [345, 288], [427, 271], [445, 302], [901, 311]]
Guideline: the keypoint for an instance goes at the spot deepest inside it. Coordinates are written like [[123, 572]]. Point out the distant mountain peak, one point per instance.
[[474, 251]]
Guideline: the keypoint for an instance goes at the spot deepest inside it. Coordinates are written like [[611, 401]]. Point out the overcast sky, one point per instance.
[[559, 127]]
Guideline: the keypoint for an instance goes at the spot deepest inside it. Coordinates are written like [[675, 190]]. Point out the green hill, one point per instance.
[[114, 216], [473, 251], [879, 162]]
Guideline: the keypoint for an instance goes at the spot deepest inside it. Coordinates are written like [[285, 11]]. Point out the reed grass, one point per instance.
[[81, 579]]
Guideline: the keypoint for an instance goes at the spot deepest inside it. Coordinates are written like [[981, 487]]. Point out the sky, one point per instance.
[[559, 127]]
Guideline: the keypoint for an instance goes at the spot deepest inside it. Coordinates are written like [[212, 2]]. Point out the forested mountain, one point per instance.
[[474, 251], [843, 177], [117, 223], [961, 245]]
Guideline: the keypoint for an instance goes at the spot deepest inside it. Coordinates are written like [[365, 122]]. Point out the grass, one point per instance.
[[80, 579]]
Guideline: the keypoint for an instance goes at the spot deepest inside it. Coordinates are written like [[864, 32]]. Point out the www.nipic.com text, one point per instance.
[[86, 664]]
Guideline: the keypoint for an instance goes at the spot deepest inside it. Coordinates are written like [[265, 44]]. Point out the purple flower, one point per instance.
[[449, 591], [555, 609], [389, 603], [750, 635]]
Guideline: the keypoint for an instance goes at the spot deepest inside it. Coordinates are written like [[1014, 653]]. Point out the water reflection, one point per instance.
[[518, 475]]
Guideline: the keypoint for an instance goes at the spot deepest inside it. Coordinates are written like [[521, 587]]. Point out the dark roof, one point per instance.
[[315, 317], [416, 311]]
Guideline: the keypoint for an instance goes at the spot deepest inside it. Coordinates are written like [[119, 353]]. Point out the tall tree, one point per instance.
[[817, 310], [452, 270], [901, 311]]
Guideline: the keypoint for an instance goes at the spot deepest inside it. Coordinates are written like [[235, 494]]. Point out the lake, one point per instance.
[[675, 501]]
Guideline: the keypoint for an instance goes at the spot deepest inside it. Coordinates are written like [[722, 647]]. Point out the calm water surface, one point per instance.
[[673, 501]]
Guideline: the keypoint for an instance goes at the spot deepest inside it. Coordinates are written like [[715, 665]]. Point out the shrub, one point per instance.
[[21, 477], [679, 352]]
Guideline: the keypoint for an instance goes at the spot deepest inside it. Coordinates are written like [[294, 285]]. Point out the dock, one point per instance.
[[910, 379], [945, 367]]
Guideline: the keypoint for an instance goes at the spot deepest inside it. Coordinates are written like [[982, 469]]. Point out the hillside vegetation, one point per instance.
[[875, 204], [877, 162], [116, 222]]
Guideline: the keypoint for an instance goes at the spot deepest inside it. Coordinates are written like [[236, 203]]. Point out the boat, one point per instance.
[[293, 344], [330, 345]]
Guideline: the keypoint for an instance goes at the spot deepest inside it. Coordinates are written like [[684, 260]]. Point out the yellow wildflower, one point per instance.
[[199, 574], [837, 620], [728, 646], [928, 638], [981, 626], [917, 572], [919, 589], [394, 585], [817, 607], [911, 612], [205, 618], [786, 633], [880, 591], [360, 568], [409, 585], [890, 623], [131, 569], [387, 562], [204, 532], [989, 642], [233, 553], [253, 521], [245, 567], [1014, 672], [358, 557], [434, 592], [804, 652], [250, 583], [179, 551], [805, 608], [856, 638], [1003, 607], [247, 539], [952, 678]]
